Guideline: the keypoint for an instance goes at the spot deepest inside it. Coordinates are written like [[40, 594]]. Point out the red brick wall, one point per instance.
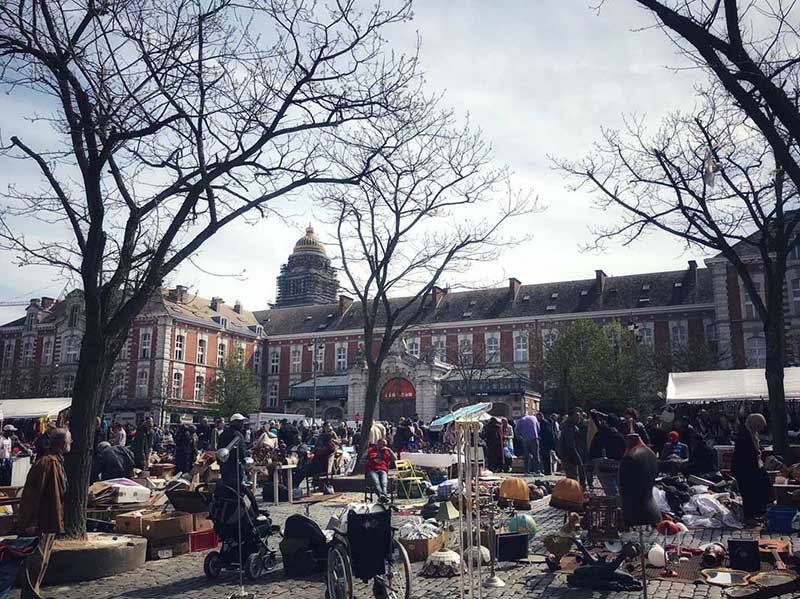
[[329, 358], [696, 332], [451, 349], [661, 336], [479, 348], [507, 347]]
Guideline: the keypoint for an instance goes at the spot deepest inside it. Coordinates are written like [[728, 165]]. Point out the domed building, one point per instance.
[[307, 278]]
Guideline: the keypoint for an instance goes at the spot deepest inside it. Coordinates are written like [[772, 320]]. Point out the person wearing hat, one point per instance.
[[6, 451], [143, 444], [112, 461], [674, 447], [232, 470]]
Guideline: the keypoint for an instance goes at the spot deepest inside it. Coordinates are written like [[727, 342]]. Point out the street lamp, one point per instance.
[[314, 347]]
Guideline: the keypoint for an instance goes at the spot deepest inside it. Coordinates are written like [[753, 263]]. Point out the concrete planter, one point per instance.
[[101, 555]]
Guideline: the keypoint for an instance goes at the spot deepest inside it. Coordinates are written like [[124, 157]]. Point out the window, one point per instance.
[[201, 351], [27, 352], [756, 352], [492, 350], [521, 348], [179, 341], [119, 384], [440, 349], [144, 345], [794, 253], [257, 359], [679, 335], [69, 383], [274, 362], [74, 312], [548, 339], [221, 355], [711, 334], [296, 360], [47, 351], [8, 354], [199, 387], [126, 350], [240, 354], [223, 322], [30, 318], [749, 307], [341, 358], [646, 335], [177, 385], [465, 350], [71, 350], [320, 359], [413, 347], [272, 397], [796, 296], [142, 378]]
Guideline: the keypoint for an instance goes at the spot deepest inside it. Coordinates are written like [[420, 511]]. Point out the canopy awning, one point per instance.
[[727, 385], [471, 413], [35, 407]]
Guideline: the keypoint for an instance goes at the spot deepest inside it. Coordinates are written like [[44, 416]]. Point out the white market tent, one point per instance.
[[727, 385], [36, 407]]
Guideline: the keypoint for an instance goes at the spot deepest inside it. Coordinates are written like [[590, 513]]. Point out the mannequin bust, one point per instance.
[[637, 474]]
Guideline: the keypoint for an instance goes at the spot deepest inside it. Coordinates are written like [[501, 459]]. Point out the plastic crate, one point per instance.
[[203, 540], [779, 518]]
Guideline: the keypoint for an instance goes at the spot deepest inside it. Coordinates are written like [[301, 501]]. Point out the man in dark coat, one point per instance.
[[41, 511], [571, 452], [232, 470], [112, 461], [547, 442], [143, 444]]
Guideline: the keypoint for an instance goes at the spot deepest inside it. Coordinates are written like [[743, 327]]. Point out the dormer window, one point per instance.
[[322, 326], [551, 308], [678, 285], [221, 320], [646, 287], [473, 302], [644, 300], [74, 312], [584, 293], [554, 295], [466, 314], [308, 318], [526, 298], [330, 315]]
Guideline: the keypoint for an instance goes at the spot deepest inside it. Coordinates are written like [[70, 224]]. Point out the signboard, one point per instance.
[[398, 389], [186, 419]]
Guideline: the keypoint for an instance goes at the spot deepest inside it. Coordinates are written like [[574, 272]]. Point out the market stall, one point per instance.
[[727, 385]]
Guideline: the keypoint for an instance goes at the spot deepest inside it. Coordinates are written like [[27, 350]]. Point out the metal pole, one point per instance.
[[314, 371]]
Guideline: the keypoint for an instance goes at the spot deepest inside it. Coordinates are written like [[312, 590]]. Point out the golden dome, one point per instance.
[[309, 243]]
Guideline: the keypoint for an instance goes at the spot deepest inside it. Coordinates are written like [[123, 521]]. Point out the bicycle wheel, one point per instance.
[[340, 573], [398, 577]]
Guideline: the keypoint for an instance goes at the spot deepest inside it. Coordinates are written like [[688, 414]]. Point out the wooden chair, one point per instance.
[[408, 478]]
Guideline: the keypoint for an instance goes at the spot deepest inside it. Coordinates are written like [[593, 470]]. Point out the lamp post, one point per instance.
[[315, 346]]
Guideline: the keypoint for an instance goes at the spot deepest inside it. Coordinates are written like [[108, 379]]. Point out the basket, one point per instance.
[[203, 540]]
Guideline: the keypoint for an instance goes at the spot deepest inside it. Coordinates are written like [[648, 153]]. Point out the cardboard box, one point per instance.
[[419, 549], [201, 522], [155, 525], [167, 548]]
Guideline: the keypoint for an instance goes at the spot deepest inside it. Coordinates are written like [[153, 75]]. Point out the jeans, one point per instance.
[[378, 479], [544, 455], [532, 455]]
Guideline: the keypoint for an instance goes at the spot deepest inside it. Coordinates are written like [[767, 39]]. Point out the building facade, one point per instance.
[[468, 346]]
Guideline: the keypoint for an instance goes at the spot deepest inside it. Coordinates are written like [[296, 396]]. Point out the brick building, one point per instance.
[[175, 348], [180, 340]]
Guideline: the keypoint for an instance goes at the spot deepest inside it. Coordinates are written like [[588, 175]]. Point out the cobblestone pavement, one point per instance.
[[183, 576]]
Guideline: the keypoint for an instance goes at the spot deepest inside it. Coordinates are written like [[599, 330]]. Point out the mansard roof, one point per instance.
[[640, 292]]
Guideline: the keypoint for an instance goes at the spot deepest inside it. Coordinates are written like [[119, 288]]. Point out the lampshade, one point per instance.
[[447, 512]]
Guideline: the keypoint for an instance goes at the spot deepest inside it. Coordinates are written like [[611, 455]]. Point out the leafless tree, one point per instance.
[[432, 203], [170, 119], [724, 177]]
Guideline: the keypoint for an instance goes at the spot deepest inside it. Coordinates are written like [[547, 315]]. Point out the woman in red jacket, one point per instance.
[[377, 467]]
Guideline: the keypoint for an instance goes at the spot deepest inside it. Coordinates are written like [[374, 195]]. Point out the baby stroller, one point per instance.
[[232, 519]]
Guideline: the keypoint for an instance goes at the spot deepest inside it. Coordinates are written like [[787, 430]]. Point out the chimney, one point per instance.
[[216, 302], [47, 303], [180, 293], [344, 303], [693, 272], [513, 288], [437, 293], [237, 307], [600, 279]]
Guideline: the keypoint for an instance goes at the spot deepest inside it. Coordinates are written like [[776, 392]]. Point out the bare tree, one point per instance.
[[432, 203], [716, 180], [170, 120]]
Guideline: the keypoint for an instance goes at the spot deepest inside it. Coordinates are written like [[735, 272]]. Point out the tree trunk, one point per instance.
[[370, 402], [86, 406], [773, 330]]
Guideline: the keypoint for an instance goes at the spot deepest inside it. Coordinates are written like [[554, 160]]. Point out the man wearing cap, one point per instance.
[[143, 444], [6, 448], [232, 470], [112, 461]]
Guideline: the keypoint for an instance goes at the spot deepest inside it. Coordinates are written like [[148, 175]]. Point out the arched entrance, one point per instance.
[[333, 414], [398, 399]]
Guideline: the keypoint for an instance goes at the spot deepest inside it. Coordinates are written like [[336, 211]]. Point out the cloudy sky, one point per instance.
[[539, 77]]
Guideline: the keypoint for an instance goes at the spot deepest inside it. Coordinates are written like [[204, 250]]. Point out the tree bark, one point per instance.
[[88, 391], [774, 334], [370, 402]]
